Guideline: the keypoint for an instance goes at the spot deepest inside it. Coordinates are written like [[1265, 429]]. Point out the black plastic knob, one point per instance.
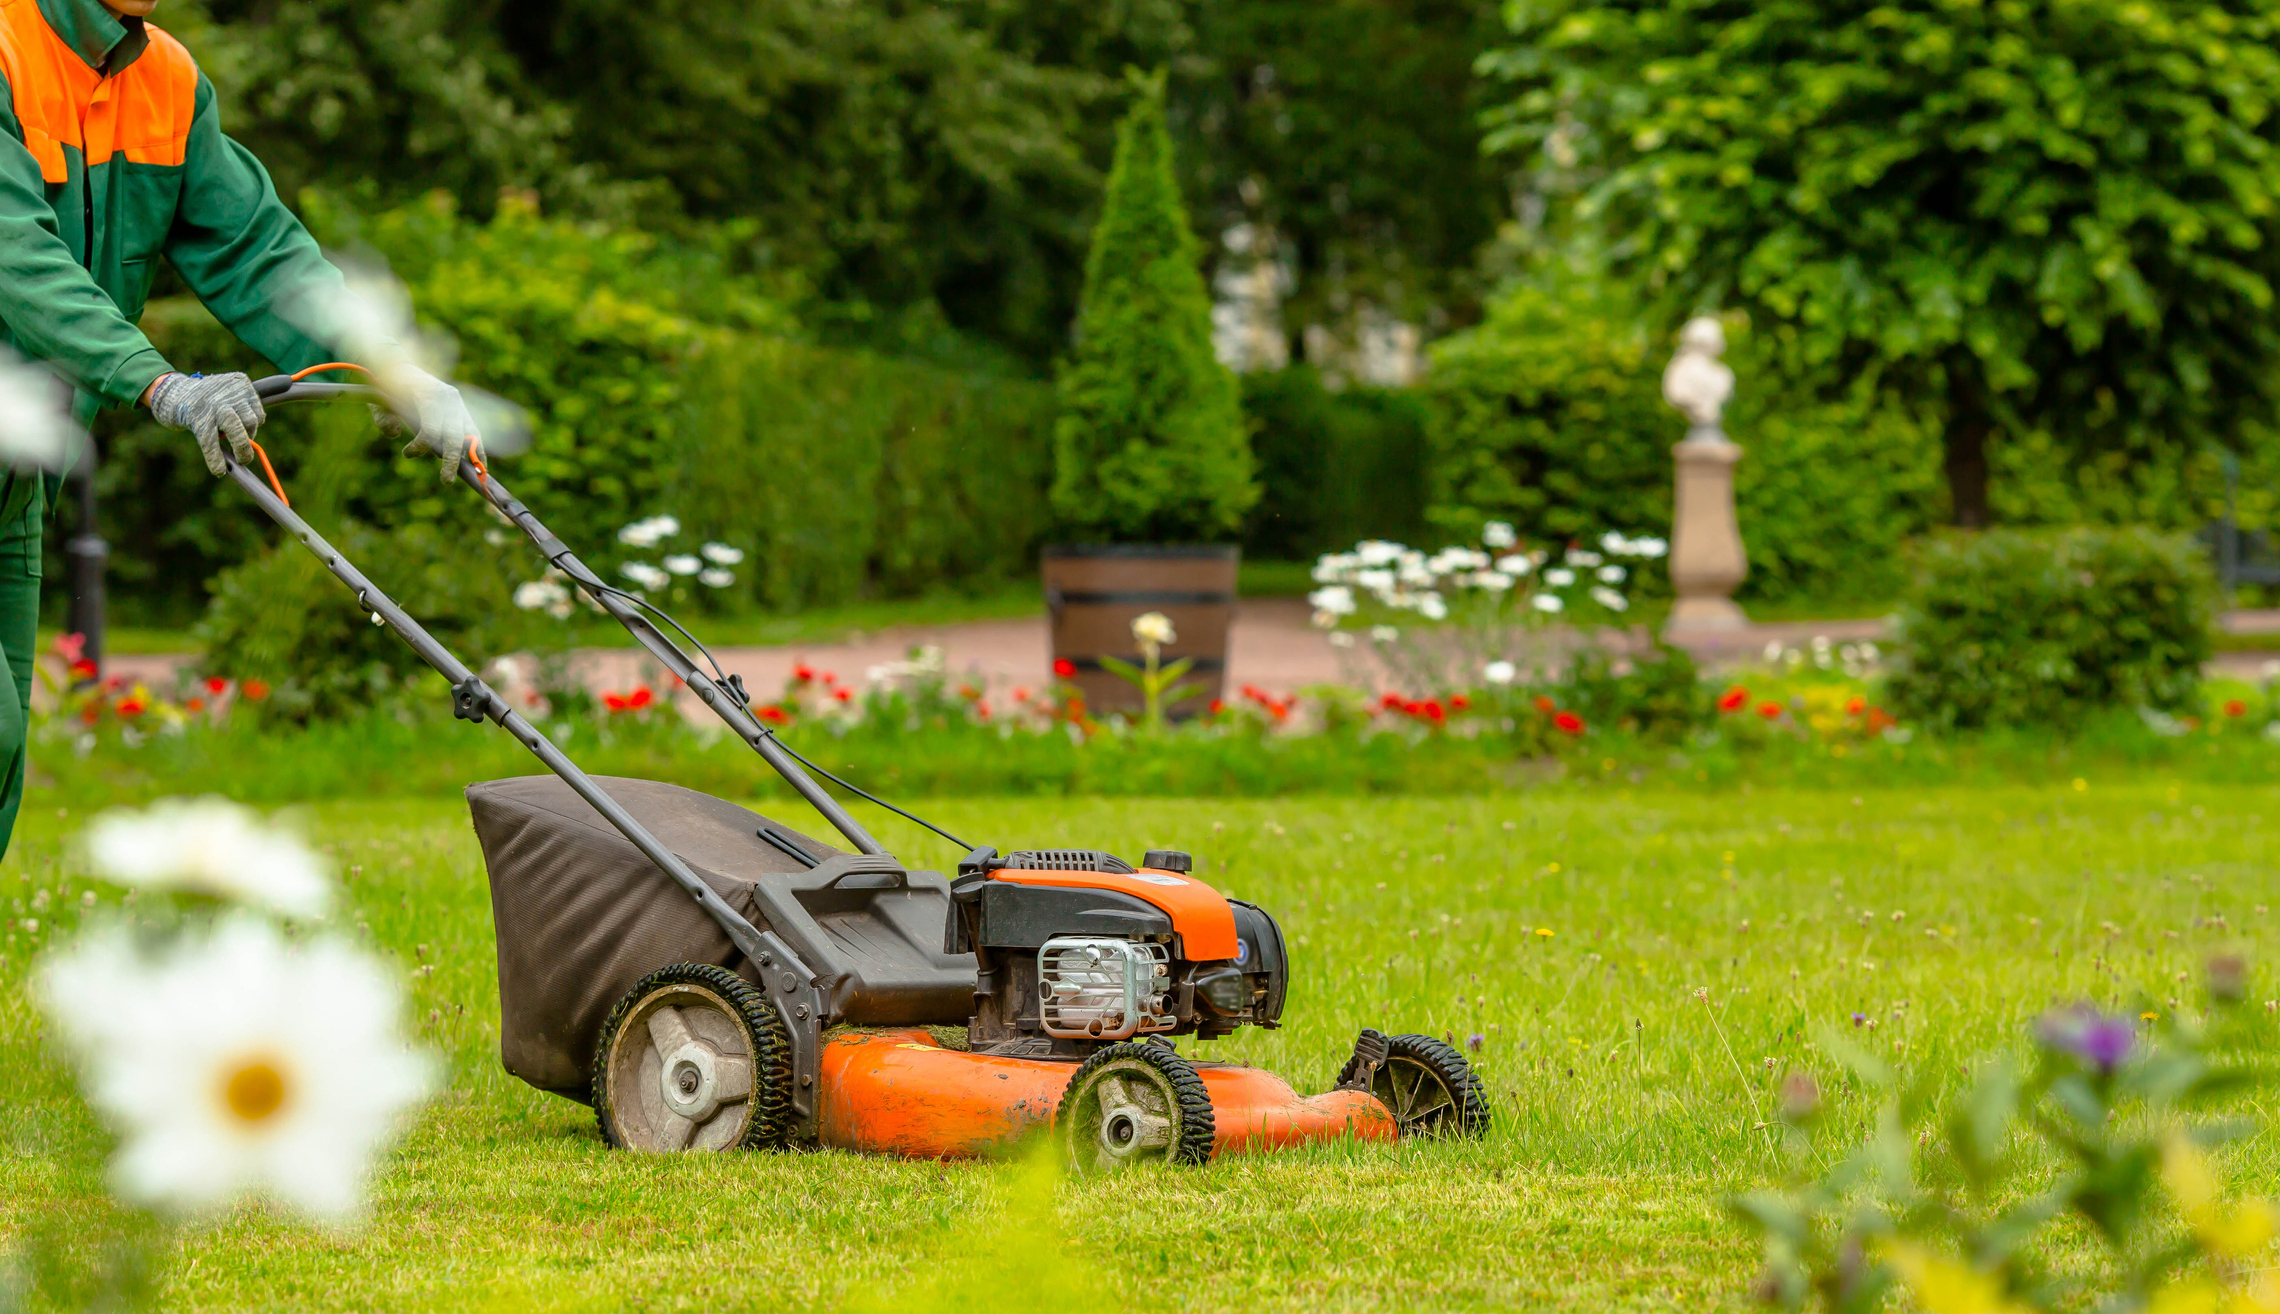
[[1168, 860]]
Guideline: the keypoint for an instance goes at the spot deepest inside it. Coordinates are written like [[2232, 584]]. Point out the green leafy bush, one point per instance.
[[1550, 416], [1334, 467], [1150, 446], [2025, 628]]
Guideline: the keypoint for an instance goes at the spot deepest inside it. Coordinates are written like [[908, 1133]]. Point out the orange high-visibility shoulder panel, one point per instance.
[[143, 113], [1200, 915]]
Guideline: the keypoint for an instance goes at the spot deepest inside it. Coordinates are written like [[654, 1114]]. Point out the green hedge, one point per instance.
[[2042, 628], [1334, 467], [652, 385]]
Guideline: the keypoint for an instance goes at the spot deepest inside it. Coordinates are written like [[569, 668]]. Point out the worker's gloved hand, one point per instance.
[[212, 407], [438, 420]]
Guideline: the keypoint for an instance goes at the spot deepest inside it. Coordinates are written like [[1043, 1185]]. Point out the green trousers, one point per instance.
[[19, 636]]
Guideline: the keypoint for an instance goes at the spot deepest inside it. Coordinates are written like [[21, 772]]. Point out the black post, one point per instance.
[[87, 551]]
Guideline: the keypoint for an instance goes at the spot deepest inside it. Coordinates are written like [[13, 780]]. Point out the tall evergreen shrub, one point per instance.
[[1150, 445]]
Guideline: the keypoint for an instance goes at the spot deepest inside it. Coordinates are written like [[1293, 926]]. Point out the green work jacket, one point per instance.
[[112, 157]]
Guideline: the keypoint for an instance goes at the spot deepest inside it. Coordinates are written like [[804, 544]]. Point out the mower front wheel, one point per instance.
[[1134, 1104], [693, 1058]]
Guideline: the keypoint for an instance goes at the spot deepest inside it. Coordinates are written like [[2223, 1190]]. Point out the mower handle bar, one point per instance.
[[474, 700], [724, 703]]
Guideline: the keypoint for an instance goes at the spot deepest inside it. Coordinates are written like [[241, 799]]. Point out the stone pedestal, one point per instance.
[[1706, 559]]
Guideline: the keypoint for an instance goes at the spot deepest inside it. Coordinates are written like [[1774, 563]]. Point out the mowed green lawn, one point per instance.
[[1570, 930]]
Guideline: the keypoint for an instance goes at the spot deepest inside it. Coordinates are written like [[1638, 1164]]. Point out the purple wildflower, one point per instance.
[[2099, 1039], [1859, 1018], [1473, 1042]]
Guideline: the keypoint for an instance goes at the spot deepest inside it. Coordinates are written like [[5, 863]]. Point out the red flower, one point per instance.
[[131, 706], [254, 690], [1856, 706], [829, 678], [982, 709], [91, 713], [641, 698], [2235, 707], [83, 669], [1878, 718], [1568, 723], [773, 715], [1020, 694], [1393, 701], [616, 702], [1429, 710], [1064, 669], [1732, 699], [843, 695], [70, 647], [803, 673], [1770, 710], [968, 692], [1218, 705], [1545, 705], [216, 685], [1458, 702], [195, 705]]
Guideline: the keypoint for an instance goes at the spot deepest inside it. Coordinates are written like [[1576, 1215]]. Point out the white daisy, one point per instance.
[[716, 578], [681, 563], [1546, 602], [1153, 629], [721, 554], [1559, 577], [234, 1063], [1500, 672], [209, 846], [1609, 598], [650, 532], [1498, 534], [644, 574], [1337, 599]]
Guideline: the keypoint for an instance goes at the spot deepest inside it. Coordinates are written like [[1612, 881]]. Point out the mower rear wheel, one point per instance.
[[1134, 1104], [693, 1058], [1428, 1087]]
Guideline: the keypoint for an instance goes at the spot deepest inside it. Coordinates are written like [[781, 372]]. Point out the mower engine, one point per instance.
[[1076, 949]]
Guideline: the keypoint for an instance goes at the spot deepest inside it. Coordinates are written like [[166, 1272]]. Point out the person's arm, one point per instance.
[[245, 255], [51, 305]]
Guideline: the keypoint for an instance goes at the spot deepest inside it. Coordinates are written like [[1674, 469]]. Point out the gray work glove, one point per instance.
[[443, 425], [212, 407]]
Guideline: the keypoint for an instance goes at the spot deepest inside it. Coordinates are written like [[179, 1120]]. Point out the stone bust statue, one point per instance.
[[1697, 382]]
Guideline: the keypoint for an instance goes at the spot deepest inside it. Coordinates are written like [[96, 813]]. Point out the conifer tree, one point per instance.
[[1150, 445]]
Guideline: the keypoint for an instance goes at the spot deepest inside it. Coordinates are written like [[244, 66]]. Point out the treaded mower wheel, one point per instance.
[[693, 1058], [1130, 1104], [1428, 1086]]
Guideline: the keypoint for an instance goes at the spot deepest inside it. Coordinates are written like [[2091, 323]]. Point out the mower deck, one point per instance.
[[903, 1093]]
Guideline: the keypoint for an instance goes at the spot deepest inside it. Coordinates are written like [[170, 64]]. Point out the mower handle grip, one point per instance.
[[284, 388]]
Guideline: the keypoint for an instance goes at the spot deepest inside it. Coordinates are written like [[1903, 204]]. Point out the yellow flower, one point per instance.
[[1943, 1286], [1544, 931], [2235, 1233]]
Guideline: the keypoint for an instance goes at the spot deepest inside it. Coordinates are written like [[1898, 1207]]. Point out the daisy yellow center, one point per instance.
[[254, 1089]]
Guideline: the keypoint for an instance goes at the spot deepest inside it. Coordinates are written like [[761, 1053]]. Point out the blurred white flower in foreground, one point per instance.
[[209, 846], [35, 416], [1500, 672], [715, 577], [1498, 534], [683, 564], [650, 532], [1609, 598], [721, 554], [1559, 577], [1546, 602], [644, 574], [232, 1062]]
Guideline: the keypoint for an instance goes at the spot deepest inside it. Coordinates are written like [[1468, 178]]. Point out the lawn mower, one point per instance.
[[774, 990]]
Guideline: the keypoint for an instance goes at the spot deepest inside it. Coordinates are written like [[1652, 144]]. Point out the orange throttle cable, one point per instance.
[[331, 365], [271, 471]]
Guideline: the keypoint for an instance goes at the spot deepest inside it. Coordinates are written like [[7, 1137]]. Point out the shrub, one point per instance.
[[2020, 627], [1550, 416], [1150, 444]]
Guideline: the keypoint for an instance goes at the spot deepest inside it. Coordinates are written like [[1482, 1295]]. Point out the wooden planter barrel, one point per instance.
[[1094, 592]]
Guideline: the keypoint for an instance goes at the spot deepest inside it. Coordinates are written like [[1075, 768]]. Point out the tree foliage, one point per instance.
[[2057, 217], [1150, 445]]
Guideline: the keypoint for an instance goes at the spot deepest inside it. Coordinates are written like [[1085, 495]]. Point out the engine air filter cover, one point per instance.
[[1063, 860]]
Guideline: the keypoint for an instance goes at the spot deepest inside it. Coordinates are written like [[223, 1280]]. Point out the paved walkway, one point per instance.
[[1271, 646]]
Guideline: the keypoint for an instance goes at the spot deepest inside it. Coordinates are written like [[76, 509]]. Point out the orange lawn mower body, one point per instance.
[[710, 979]]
